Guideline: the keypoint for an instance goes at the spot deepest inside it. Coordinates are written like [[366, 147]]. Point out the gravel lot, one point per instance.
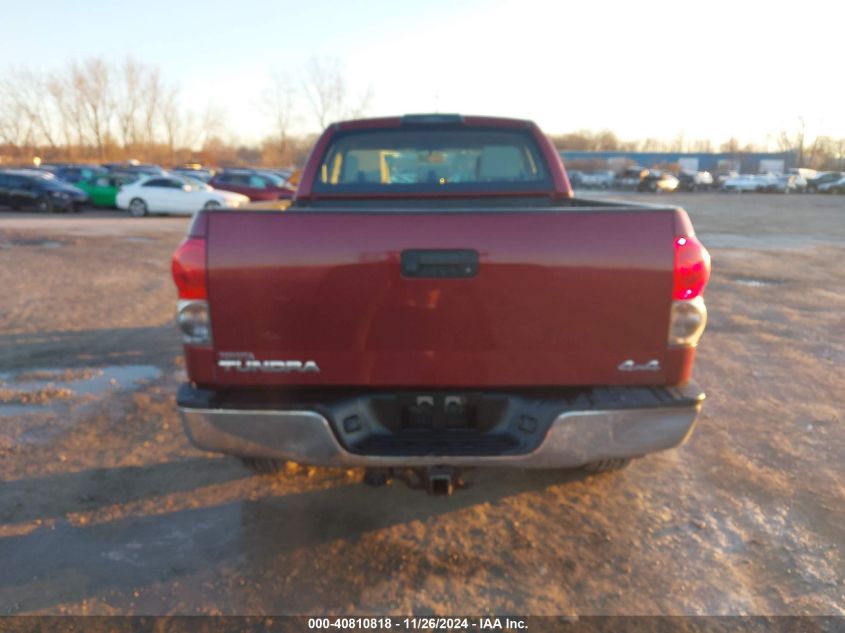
[[106, 508]]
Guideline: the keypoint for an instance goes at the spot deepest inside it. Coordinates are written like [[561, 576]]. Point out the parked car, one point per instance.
[[254, 184], [745, 182], [823, 178], [575, 177], [141, 169], [724, 176], [103, 188], [194, 170], [597, 180], [588, 180], [805, 172], [475, 319], [695, 180], [39, 190], [657, 182], [778, 183], [174, 194], [630, 177], [788, 183], [278, 177], [73, 173], [834, 186], [768, 182], [285, 174], [800, 182]]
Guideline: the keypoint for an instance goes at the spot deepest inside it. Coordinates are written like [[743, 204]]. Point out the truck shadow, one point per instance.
[[67, 563], [94, 488], [108, 346]]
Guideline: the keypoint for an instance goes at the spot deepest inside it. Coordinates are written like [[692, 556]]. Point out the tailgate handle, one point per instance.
[[440, 264]]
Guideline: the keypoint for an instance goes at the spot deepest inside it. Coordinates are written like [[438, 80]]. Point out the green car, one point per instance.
[[103, 188]]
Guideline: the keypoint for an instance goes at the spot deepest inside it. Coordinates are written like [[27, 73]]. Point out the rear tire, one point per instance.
[[263, 466], [212, 205], [606, 465], [138, 208], [45, 205]]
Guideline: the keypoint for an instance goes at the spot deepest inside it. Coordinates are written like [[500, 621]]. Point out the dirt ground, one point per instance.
[[106, 508]]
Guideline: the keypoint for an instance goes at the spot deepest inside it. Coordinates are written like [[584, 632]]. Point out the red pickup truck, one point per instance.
[[436, 298]]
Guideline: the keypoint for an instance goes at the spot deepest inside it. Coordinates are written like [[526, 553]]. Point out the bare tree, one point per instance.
[[573, 141], [702, 145], [827, 153], [794, 141], [192, 134], [68, 105], [678, 144], [171, 119], [605, 140], [129, 98], [24, 90], [327, 93], [652, 145], [91, 80], [586, 140], [15, 127], [152, 89], [277, 102], [731, 146], [212, 124], [58, 91]]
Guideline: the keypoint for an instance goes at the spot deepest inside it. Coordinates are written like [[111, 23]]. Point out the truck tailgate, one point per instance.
[[558, 297]]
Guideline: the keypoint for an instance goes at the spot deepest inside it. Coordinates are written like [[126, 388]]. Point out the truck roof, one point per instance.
[[432, 118]]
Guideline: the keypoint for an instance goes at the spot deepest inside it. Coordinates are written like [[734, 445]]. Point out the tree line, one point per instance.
[[93, 110]]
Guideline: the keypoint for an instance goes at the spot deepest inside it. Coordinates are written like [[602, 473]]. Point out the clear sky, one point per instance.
[[710, 69]]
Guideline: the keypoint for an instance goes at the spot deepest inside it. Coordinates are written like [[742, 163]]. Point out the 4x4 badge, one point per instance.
[[630, 365]]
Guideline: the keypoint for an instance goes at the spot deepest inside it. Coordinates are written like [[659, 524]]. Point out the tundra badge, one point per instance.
[[247, 362]]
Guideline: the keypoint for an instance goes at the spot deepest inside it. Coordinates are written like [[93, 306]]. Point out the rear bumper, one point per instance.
[[629, 422]]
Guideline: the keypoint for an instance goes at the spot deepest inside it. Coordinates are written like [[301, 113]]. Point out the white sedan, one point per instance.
[[598, 180], [174, 194], [746, 182]]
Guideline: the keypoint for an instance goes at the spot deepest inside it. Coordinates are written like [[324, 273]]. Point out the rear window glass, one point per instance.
[[439, 160]]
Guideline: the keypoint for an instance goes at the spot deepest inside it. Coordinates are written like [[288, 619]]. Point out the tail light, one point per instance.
[[688, 315], [692, 268], [189, 275], [188, 267]]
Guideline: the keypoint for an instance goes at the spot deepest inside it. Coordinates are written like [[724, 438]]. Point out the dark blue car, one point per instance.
[[41, 191]]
